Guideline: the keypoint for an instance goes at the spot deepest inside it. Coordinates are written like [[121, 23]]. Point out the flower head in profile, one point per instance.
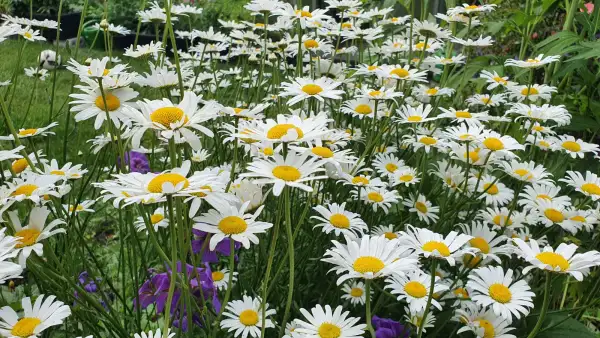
[[430, 244], [96, 70], [563, 259], [8, 250], [369, 257], [535, 62]]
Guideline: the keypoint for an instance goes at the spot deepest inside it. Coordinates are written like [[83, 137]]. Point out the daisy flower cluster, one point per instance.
[[332, 172]]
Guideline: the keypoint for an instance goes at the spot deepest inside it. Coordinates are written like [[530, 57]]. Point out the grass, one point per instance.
[[39, 94]]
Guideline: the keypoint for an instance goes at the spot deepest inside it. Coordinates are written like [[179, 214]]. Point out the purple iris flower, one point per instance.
[[388, 328], [208, 256], [156, 290], [138, 162]]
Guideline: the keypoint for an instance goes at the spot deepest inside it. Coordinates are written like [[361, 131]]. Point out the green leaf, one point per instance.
[[580, 123], [568, 328]]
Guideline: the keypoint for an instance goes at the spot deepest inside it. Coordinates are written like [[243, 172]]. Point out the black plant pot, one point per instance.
[[69, 24]]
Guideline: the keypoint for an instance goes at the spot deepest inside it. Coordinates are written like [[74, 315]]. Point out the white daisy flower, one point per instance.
[[377, 197], [490, 189], [493, 287], [574, 147], [292, 171], [84, 206], [244, 317], [531, 92], [37, 317], [369, 257], [499, 218], [232, 221], [479, 42], [401, 73], [486, 100], [96, 69], [36, 230], [494, 80], [423, 208], [355, 292], [286, 128], [221, 278], [304, 88], [489, 243], [430, 244], [536, 62], [325, 322], [154, 334], [8, 250], [173, 121], [335, 218], [33, 187], [362, 108], [414, 115], [66, 172], [483, 323], [417, 318], [532, 194], [158, 219], [31, 132], [562, 260], [528, 172], [589, 186], [414, 288]]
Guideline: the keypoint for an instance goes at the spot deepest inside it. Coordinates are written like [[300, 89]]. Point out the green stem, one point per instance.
[[368, 307], [544, 309], [429, 298], [288, 228]]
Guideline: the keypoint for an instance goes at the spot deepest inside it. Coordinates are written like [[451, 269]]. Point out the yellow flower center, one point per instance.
[[390, 235], [19, 165], [428, 140], [544, 144], [374, 93], [578, 218], [461, 293], [440, 247], [28, 237], [415, 119], [500, 80], [471, 7], [28, 35], [25, 189], [372, 67], [399, 72], [375, 197], [259, 25], [167, 115], [529, 91], [591, 188], [156, 184], [502, 220], [312, 89], [346, 25], [415, 289], [431, 91], [363, 109], [57, 173], [421, 207], [471, 156], [328, 330], [486, 100], [286, 173], [394, 19], [532, 61], [280, 130], [492, 189], [112, 102], [421, 46], [554, 215], [311, 44], [249, 317], [463, 114], [493, 144], [232, 225], [500, 293], [571, 146], [218, 276], [488, 328], [25, 326], [553, 259], [391, 167], [366, 264], [26, 132], [78, 208], [322, 152], [156, 218], [356, 292], [524, 173], [304, 14], [544, 197], [481, 244], [406, 178], [360, 180], [339, 221]]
